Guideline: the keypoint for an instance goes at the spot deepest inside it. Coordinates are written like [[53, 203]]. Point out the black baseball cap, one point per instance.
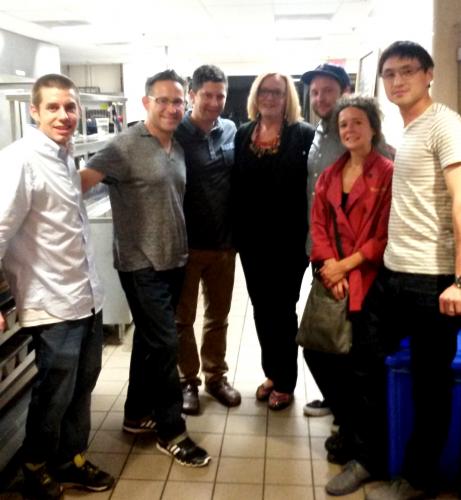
[[332, 70]]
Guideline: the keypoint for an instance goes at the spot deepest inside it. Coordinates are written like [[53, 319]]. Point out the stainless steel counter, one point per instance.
[[115, 311]]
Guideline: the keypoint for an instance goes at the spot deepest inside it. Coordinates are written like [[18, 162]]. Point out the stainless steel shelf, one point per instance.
[[22, 96], [86, 144], [90, 144]]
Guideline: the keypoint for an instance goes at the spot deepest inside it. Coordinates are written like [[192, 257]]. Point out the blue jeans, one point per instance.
[[400, 305], [154, 387], [68, 358]]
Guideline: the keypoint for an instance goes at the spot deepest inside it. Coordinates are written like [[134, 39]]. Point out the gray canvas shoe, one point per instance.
[[349, 480], [399, 489]]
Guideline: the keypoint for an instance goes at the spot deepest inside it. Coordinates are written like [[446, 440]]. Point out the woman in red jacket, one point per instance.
[[356, 191]]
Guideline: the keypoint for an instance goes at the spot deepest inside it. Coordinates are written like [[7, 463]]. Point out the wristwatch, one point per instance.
[[458, 281]]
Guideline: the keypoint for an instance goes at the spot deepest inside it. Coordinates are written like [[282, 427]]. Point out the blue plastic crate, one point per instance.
[[400, 415]]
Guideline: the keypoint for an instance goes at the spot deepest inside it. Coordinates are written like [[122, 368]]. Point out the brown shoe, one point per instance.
[[224, 392], [190, 399], [264, 390], [279, 400]]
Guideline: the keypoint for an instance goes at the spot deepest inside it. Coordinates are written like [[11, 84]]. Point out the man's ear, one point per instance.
[[145, 101], [34, 113], [430, 76], [191, 96]]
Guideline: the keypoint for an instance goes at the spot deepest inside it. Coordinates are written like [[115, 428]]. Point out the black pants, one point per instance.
[[154, 386], [273, 282], [400, 305], [332, 374]]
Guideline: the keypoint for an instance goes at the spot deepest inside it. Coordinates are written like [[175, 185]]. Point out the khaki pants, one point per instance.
[[215, 269]]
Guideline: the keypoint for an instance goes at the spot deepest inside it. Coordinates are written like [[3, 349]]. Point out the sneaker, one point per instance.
[[81, 473], [337, 442], [339, 448], [348, 480], [40, 484], [399, 489], [335, 426], [145, 425], [185, 451], [316, 408]]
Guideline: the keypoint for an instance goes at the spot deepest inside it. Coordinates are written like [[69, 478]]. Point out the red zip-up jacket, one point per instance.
[[362, 225]]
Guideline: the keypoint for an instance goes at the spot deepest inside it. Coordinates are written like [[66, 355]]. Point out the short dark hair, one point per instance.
[[368, 105], [406, 50], [207, 73], [168, 74], [51, 80]]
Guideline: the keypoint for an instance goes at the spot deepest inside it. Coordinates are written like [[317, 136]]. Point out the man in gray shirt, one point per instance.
[[327, 83], [144, 167]]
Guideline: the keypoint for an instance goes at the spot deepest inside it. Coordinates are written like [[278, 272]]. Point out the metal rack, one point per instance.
[[17, 357], [84, 144]]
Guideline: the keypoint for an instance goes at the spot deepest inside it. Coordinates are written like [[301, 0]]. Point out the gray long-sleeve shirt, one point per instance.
[[326, 149]]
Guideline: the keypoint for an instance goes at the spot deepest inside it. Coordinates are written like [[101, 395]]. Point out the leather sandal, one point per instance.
[[279, 400], [264, 391]]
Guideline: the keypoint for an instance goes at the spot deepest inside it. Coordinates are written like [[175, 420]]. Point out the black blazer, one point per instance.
[[270, 193]]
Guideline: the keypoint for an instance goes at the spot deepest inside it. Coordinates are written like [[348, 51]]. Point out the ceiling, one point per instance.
[[225, 32]]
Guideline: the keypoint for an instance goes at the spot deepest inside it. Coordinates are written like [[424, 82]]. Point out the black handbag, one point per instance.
[[325, 325]]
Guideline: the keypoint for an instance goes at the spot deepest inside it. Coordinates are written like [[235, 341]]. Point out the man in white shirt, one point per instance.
[[49, 265], [418, 293]]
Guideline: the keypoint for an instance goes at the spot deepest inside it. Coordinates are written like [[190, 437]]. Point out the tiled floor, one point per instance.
[[257, 454]]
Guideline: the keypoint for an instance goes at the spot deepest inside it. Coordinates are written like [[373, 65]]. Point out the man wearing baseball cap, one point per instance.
[[327, 83]]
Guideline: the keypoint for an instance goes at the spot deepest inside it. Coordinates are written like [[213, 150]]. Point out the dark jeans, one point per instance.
[[154, 387], [273, 283], [68, 358], [400, 305]]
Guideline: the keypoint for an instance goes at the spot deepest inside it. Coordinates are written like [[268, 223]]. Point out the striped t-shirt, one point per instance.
[[420, 236]]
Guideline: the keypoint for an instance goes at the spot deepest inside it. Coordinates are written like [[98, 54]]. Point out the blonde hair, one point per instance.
[[292, 108]]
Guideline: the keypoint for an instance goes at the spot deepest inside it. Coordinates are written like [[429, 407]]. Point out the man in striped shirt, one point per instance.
[[418, 292]]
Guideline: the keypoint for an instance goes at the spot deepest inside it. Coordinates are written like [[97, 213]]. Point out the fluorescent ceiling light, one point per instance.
[[298, 38], [303, 17], [62, 24], [302, 26]]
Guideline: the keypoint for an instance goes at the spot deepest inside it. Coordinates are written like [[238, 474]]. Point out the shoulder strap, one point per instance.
[[337, 236]]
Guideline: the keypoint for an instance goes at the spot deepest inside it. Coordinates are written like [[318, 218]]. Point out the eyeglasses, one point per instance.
[[275, 93], [164, 101], [405, 73]]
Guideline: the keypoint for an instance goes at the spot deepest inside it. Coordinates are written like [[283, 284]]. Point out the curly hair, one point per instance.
[[368, 105]]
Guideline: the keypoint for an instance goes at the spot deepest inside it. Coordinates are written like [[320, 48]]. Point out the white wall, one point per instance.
[[135, 75], [108, 77], [447, 40], [393, 20]]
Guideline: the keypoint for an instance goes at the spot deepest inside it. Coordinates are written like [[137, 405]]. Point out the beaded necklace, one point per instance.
[[260, 147]]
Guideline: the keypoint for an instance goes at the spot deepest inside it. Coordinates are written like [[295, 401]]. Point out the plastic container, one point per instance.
[[102, 125], [400, 415]]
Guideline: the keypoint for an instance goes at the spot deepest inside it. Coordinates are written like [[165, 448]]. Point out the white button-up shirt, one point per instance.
[[44, 231]]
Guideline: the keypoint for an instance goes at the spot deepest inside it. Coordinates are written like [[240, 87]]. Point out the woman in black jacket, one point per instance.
[[270, 209]]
